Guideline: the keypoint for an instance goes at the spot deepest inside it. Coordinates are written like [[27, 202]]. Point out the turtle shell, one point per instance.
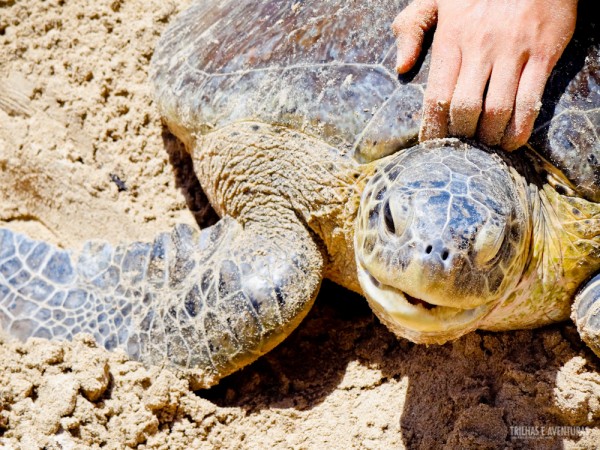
[[325, 68], [567, 131]]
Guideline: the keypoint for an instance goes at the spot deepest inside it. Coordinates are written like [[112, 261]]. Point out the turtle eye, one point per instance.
[[489, 240], [388, 219]]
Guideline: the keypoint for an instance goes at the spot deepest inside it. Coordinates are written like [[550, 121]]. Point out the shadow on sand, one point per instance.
[[465, 393]]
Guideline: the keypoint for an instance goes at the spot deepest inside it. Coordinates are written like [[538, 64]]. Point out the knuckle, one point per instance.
[[544, 59]]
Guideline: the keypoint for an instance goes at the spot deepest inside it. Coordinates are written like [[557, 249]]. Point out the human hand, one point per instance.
[[510, 44]]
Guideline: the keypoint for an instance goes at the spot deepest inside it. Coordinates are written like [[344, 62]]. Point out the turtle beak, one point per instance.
[[416, 319]]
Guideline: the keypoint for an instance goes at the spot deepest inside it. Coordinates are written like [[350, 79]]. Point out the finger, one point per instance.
[[499, 101], [445, 65], [409, 27], [468, 97], [527, 103]]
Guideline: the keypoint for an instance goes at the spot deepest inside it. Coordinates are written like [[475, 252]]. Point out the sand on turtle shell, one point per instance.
[[83, 155]]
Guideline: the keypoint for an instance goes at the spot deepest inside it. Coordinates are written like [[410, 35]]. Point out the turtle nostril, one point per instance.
[[388, 219], [428, 249], [445, 255]]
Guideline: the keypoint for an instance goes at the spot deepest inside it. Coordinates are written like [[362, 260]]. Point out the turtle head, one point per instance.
[[442, 236]]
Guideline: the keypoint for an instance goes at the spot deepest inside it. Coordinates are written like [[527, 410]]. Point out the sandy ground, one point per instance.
[[83, 155]]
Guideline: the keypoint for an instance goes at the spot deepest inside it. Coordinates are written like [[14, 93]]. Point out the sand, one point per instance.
[[83, 155]]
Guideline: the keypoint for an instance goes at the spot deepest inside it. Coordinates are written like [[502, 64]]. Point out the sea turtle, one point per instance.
[[304, 139]]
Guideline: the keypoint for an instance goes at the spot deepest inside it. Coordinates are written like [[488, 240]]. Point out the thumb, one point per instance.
[[409, 27]]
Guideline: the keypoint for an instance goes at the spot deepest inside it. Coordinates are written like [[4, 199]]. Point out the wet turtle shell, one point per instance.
[[327, 69], [314, 67]]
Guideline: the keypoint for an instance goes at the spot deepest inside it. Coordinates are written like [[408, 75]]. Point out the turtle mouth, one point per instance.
[[415, 318], [418, 302]]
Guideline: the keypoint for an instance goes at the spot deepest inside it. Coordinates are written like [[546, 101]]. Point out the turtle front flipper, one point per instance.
[[210, 301], [586, 313]]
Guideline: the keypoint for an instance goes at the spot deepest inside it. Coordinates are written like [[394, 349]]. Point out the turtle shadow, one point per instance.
[[186, 180], [465, 394], [310, 364]]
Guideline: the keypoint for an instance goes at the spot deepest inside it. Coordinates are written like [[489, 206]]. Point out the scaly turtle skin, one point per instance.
[[300, 132]]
